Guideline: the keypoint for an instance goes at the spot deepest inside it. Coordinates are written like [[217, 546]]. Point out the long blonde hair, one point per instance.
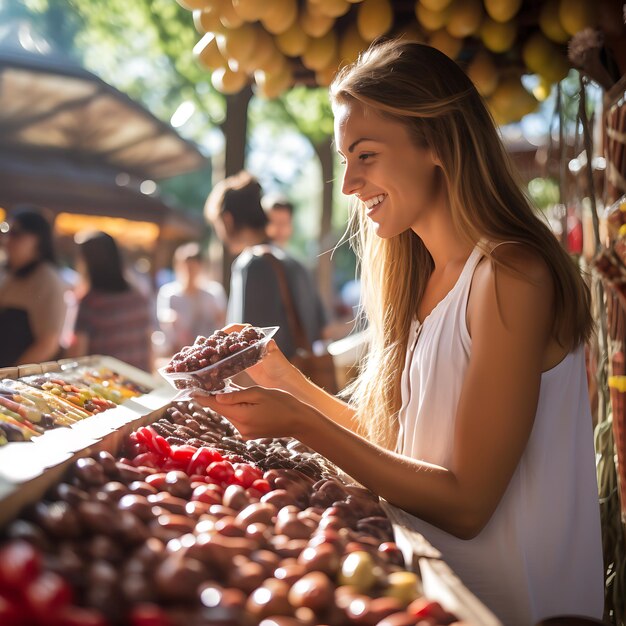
[[422, 88]]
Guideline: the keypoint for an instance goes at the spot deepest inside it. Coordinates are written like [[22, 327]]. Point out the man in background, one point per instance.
[[190, 305], [279, 213], [262, 267]]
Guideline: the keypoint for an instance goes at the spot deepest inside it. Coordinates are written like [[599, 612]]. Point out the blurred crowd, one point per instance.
[[97, 304]]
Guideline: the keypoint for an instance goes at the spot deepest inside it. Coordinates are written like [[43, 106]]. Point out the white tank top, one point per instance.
[[540, 554]]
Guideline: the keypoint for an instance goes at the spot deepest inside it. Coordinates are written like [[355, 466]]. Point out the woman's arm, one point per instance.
[[44, 348], [46, 316], [510, 330], [275, 371]]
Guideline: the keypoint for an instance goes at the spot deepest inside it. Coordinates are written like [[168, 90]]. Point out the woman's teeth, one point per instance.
[[374, 201]]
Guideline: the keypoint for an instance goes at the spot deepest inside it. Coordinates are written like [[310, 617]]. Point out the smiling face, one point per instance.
[[399, 183]]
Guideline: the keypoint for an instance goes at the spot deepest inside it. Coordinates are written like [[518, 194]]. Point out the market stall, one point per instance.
[[192, 506], [204, 527]]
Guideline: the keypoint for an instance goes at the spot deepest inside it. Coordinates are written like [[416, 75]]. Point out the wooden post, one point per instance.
[[235, 129]]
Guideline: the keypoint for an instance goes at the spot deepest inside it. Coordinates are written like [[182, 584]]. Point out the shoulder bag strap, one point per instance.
[[295, 323]]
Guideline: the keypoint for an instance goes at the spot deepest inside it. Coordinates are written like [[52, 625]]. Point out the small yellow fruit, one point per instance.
[[207, 21], [483, 73], [207, 52], [446, 43], [293, 41], [238, 44], [315, 24], [550, 23], [320, 51], [374, 18], [272, 85], [510, 101], [538, 52], [498, 36], [502, 10], [557, 69], [325, 76], [275, 63], [435, 5], [280, 16], [250, 10], [432, 20], [576, 15], [226, 81], [351, 45], [264, 50], [228, 16], [465, 18], [333, 8]]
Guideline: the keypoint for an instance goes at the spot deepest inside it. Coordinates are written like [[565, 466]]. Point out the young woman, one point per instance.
[[113, 317], [471, 412], [32, 294]]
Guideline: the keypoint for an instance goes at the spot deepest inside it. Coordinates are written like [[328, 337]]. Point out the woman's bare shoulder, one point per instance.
[[516, 261], [515, 283]]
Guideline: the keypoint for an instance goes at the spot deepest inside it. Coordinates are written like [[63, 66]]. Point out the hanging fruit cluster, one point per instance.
[[276, 43]]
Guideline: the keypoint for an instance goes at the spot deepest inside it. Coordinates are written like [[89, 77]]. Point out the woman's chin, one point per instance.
[[384, 231]]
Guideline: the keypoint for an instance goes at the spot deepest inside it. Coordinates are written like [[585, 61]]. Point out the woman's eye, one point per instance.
[[366, 155]]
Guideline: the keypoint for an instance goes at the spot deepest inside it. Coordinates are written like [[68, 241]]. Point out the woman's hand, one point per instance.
[[259, 412], [274, 370]]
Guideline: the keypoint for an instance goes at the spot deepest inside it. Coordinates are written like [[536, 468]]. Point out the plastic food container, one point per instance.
[[216, 378]]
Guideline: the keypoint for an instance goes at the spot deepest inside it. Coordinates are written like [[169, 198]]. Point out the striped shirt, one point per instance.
[[118, 325]]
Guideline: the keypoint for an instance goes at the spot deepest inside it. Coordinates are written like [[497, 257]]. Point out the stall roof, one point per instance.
[[49, 103], [63, 186]]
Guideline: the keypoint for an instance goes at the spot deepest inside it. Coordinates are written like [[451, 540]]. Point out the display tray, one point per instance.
[[29, 469]]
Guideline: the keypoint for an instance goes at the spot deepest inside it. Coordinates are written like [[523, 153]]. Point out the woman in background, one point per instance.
[[32, 304], [113, 317]]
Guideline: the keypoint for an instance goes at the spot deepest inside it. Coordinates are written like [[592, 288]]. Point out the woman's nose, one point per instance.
[[352, 182]]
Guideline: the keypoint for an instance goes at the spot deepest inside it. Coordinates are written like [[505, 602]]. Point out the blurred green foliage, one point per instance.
[[544, 192]]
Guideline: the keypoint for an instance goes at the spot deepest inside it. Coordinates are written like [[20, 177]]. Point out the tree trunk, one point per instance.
[[235, 129], [324, 153]]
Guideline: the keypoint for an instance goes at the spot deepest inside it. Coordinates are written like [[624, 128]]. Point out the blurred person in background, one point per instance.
[[114, 318], [279, 213], [190, 305], [32, 305], [234, 208]]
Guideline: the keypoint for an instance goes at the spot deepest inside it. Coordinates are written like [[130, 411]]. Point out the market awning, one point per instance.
[[82, 189], [49, 104]]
